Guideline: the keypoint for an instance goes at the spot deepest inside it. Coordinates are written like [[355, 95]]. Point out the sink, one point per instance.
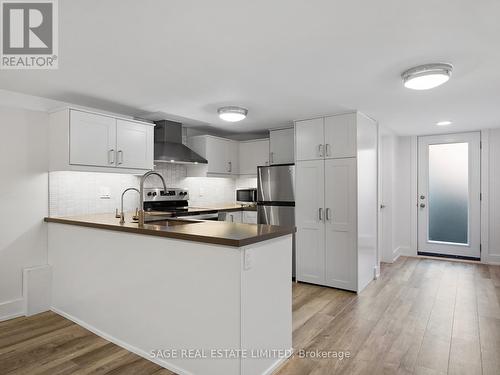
[[172, 222]]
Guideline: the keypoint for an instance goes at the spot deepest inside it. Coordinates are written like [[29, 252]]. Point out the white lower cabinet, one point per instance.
[[340, 223], [309, 203], [234, 217], [249, 217]]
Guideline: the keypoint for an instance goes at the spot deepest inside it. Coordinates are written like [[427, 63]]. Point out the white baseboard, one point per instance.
[[405, 251], [277, 365], [493, 259], [11, 309]]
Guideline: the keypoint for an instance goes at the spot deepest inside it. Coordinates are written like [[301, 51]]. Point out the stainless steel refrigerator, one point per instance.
[[276, 197]]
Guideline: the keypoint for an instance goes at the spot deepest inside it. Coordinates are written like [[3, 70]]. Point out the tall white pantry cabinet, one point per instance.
[[336, 200]]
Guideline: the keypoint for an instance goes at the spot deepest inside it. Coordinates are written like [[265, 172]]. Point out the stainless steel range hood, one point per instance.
[[169, 147]]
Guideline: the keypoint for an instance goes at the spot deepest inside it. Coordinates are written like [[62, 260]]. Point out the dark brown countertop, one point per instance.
[[214, 232]]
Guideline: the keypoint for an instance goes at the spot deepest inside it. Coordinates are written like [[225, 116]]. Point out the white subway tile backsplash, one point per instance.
[[78, 193]]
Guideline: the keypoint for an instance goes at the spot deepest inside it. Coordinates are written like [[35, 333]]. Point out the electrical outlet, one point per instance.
[[104, 192]]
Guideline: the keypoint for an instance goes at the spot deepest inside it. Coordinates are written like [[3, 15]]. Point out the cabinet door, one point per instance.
[[253, 154], [134, 143], [281, 146], [310, 221], [217, 155], [250, 217], [340, 136], [92, 139], [340, 217], [309, 139], [233, 157], [234, 217]]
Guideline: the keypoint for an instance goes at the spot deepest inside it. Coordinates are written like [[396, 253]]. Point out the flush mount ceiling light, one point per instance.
[[443, 123], [232, 114], [428, 76]]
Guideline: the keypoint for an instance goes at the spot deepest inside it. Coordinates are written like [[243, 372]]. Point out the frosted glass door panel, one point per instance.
[[449, 193]]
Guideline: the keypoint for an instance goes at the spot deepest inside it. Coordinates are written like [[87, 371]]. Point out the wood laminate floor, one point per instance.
[[422, 316]]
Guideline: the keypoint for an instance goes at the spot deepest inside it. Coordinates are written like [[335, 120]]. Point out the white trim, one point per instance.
[[485, 184], [277, 365], [11, 309], [414, 192], [406, 251], [130, 348]]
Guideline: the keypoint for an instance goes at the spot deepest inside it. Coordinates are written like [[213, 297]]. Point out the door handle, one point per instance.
[[382, 206], [320, 214], [120, 157], [327, 149], [328, 212], [320, 150], [111, 156]]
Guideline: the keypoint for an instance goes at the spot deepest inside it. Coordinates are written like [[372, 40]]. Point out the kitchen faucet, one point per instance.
[[141, 193], [122, 215]]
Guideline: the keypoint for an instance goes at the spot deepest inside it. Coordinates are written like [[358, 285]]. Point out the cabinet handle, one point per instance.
[[320, 214], [271, 157], [111, 156], [328, 216], [327, 148], [320, 150], [230, 166], [120, 157]]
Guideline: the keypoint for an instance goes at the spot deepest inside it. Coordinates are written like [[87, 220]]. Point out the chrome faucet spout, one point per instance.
[[141, 193], [122, 215]]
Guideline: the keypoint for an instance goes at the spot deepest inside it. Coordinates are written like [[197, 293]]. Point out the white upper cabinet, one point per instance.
[[88, 141], [221, 154], [252, 155], [92, 139], [340, 136], [134, 145], [233, 157], [309, 139], [281, 146], [326, 138]]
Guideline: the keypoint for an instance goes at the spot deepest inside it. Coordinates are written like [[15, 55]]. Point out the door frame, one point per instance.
[[474, 235]]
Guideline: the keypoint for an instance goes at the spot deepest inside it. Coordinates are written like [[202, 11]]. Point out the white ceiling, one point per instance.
[[282, 59]]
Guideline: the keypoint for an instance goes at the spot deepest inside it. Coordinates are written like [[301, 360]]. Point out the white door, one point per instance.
[[310, 216], [216, 154], [340, 136], [134, 143], [92, 139], [309, 139], [340, 223], [281, 146], [449, 195]]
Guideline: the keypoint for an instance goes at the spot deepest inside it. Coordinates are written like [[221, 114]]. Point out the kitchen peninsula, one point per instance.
[[188, 290]]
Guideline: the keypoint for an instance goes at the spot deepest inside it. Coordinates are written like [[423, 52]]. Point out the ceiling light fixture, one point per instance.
[[232, 113], [428, 76], [443, 123]]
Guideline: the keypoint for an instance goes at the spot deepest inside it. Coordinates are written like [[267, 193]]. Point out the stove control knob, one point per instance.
[[149, 194], [154, 193]]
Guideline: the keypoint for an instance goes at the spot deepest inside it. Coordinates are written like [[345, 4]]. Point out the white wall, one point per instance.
[[23, 201], [404, 187], [493, 198]]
